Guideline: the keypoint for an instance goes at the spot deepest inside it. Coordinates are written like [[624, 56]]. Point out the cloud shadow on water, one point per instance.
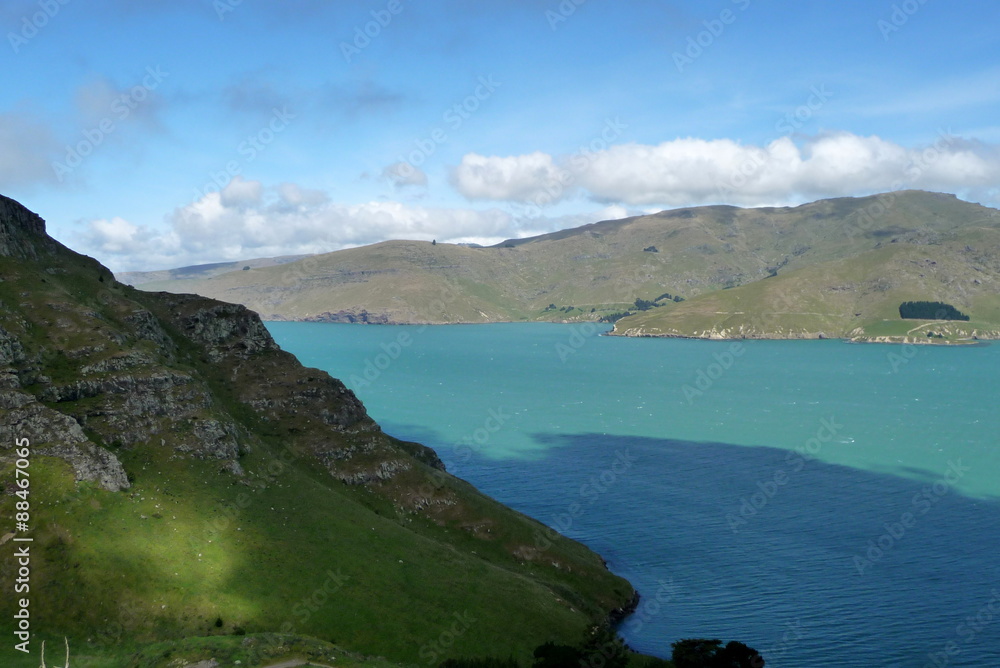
[[758, 542]]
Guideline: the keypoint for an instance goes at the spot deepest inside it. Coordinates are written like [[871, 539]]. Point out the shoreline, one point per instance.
[[914, 341]]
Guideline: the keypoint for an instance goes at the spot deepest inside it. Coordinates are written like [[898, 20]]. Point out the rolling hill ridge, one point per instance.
[[832, 268]]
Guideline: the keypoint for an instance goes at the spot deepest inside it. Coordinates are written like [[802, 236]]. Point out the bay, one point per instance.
[[825, 503]]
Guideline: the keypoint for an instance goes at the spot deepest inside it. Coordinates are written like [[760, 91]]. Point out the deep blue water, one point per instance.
[[828, 504]]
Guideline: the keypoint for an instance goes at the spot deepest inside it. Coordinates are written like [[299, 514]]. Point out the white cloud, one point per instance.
[[519, 178], [241, 193], [249, 220], [686, 172], [293, 195], [116, 235]]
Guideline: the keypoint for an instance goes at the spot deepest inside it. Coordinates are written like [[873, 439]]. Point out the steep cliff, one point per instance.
[[190, 478]]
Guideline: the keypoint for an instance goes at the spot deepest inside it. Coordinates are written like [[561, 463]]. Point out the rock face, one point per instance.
[[90, 367], [224, 329], [22, 233], [22, 416], [360, 316], [22, 413]]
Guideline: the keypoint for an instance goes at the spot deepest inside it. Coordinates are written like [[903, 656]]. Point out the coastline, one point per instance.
[[712, 335], [912, 341]]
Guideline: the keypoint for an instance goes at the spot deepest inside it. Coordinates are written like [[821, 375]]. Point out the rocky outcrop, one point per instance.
[[225, 330], [314, 394], [22, 233], [172, 372], [119, 369], [360, 316], [54, 434], [22, 415], [145, 327], [11, 350]]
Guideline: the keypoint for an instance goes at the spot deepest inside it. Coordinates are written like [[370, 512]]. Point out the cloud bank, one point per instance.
[[247, 219], [686, 172]]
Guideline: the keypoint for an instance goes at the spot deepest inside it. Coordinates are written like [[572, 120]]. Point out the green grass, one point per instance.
[[251, 651], [187, 546]]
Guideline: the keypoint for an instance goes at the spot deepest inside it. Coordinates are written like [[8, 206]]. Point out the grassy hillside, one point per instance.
[[597, 269], [188, 479], [201, 271], [855, 298]]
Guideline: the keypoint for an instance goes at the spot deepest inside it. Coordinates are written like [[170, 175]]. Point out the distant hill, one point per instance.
[[602, 269], [856, 298], [201, 271], [197, 493]]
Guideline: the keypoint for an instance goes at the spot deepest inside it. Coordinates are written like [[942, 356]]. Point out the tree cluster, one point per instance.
[[644, 305], [930, 311], [602, 648], [702, 653]]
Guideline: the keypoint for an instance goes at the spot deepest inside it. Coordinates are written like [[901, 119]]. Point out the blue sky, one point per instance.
[[156, 133]]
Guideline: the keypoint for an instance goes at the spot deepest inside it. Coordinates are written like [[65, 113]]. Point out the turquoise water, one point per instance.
[[828, 504]]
